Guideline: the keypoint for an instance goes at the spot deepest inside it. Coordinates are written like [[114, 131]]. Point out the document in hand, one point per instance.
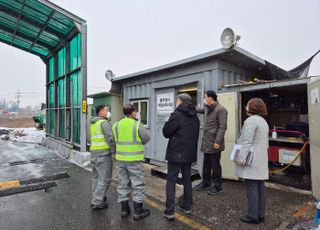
[[235, 154]]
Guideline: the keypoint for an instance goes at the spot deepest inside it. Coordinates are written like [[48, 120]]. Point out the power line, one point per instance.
[[8, 97], [15, 93], [33, 95], [32, 92], [7, 94]]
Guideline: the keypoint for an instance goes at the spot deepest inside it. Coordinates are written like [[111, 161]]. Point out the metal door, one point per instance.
[[231, 101], [165, 104], [314, 134]]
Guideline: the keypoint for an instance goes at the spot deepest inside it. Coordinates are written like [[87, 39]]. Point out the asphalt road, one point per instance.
[[67, 206]]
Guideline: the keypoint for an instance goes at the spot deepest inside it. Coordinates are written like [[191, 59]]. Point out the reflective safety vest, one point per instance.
[[129, 145], [98, 141]]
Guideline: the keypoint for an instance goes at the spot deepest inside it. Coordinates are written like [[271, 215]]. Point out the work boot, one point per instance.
[[125, 208], [139, 211], [103, 205]]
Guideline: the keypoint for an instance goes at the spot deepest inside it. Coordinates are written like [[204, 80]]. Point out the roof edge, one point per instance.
[[191, 59], [63, 11], [100, 94], [250, 55]]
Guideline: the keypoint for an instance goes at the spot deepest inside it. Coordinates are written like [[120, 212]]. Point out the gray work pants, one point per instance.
[[101, 177], [130, 179], [256, 195]]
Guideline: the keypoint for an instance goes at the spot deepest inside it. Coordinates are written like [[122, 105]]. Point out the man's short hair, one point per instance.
[[128, 109], [184, 97], [212, 94], [100, 107]]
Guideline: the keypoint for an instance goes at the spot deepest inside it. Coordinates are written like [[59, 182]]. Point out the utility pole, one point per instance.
[[18, 100]]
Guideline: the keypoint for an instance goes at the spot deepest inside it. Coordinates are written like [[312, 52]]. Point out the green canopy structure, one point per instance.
[[59, 38]]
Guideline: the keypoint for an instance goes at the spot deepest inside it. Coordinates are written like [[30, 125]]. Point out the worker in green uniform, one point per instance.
[[102, 145], [130, 136]]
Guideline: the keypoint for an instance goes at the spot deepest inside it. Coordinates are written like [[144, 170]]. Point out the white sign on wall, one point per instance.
[[165, 102]]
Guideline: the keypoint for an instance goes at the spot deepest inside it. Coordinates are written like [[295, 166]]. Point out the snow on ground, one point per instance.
[[34, 136], [28, 135]]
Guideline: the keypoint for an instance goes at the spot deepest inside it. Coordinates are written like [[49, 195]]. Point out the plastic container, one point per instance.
[[274, 133]]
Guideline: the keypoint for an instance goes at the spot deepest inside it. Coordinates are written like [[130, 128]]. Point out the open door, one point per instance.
[[314, 134], [231, 102]]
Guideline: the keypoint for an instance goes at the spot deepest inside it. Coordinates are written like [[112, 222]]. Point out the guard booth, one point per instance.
[[59, 38], [236, 75], [104, 98]]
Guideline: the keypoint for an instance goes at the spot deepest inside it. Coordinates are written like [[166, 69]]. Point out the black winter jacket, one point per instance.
[[182, 129]]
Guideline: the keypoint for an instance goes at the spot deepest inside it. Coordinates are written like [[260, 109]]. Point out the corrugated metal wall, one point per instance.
[[230, 74], [208, 75], [138, 91]]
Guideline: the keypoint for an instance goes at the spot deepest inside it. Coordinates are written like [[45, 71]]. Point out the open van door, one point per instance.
[[314, 134], [231, 101]]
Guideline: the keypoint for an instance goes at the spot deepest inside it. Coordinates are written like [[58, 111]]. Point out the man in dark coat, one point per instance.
[[214, 128], [182, 129]]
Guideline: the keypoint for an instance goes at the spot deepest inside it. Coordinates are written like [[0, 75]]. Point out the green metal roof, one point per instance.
[[102, 94], [36, 26]]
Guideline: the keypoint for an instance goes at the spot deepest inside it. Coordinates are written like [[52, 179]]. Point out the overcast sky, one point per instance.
[[127, 36]]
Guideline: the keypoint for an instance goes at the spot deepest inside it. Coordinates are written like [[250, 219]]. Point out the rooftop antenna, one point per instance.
[[228, 38]]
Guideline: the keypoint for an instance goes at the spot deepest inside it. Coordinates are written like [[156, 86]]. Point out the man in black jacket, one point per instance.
[[182, 129]]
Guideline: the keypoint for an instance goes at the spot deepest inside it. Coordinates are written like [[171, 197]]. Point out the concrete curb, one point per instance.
[[82, 159], [287, 188]]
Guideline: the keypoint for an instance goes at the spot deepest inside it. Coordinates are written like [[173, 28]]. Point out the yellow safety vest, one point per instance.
[[129, 145], [98, 141]]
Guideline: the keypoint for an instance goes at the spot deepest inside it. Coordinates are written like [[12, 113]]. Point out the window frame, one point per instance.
[[139, 101]]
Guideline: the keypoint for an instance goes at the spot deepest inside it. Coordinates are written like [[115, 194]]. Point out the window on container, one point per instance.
[[142, 110], [75, 52], [62, 62]]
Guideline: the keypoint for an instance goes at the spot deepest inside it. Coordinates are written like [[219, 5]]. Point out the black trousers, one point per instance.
[[212, 169], [173, 172], [256, 195]]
